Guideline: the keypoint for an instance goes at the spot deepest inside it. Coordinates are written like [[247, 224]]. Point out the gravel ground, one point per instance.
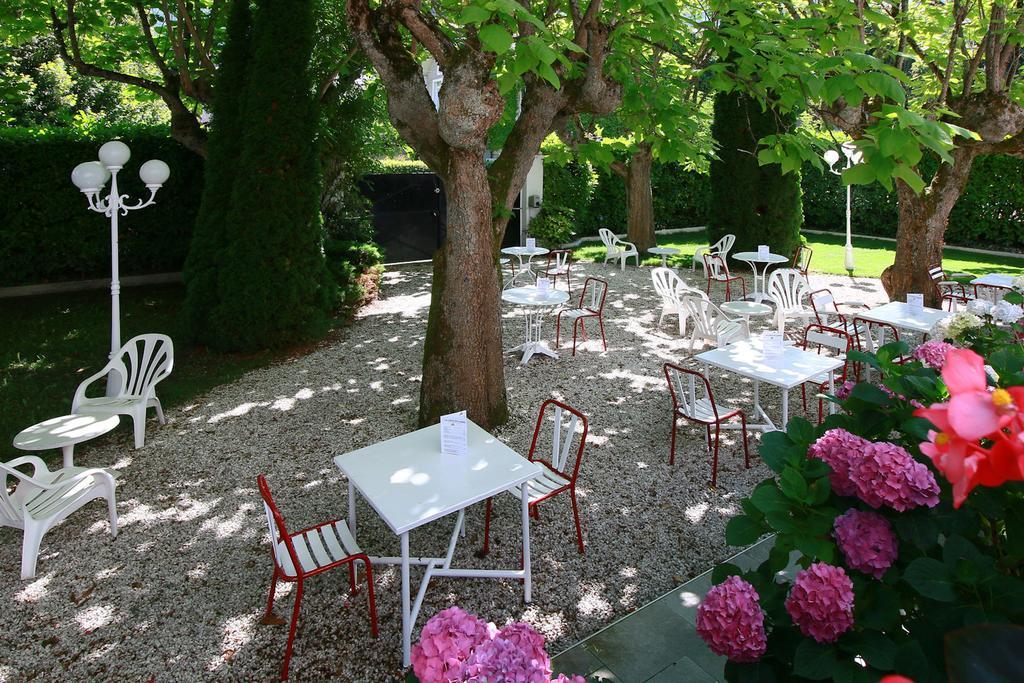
[[178, 595]]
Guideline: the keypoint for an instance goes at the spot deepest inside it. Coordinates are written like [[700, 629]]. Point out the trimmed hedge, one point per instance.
[[990, 213], [47, 232]]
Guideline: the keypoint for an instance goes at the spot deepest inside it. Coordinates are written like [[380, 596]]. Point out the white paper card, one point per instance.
[[531, 242], [772, 343], [543, 284], [915, 301], [763, 251], [453, 434]]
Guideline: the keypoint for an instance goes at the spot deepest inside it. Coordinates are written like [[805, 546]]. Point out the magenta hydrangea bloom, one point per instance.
[[501, 661], [446, 641], [843, 390], [530, 642], [933, 353], [562, 678], [867, 541], [838, 448], [821, 602], [886, 474], [731, 622]]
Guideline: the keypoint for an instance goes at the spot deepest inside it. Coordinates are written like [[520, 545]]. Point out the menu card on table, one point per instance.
[[915, 302], [763, 251], [531, 242], [771, 344], [543, 284], [453, 434]]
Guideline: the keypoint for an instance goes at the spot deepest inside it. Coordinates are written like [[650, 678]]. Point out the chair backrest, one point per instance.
[[142, 362], [278, 531], [824, 305], [723, 245], [706, 316], [802, 258], [557, 259], [688, 389], [821, 337], [716, 267], [787, 288], [593, 295], [873, 332], [568, 427], [665, 281], [607, 237], [11, 504], [936, 273]]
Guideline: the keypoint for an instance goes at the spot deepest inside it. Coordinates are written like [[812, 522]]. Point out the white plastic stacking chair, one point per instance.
[[722, 247], [711, 324], [618, 248], [45, 498], [787, 288], [141, 363], [671, 288]]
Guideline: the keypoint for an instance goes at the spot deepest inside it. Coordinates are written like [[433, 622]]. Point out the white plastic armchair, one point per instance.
[[787, 288], [618, 248], [141, 363], [672, 290], [45, 498], [722, 247], [711, 324]]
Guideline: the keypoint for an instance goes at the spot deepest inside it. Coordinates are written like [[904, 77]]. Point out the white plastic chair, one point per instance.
[[45, 498], [722, 247], [618, 248], [787, 288], [711, 324], [671, 288], [141, 363]]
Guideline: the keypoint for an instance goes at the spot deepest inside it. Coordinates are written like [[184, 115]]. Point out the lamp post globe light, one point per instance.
[[90, 177], [853, 157]]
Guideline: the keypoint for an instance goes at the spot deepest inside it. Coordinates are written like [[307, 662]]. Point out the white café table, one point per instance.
[[410, 483], [524, 267], [994, 281], [64, 432], [754, 259], [787, 370], [746, 309], [536, 305], [664, 253], [905, 317]]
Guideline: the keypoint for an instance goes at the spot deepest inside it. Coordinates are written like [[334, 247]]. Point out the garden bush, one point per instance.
[[553, 225], [48, 234]]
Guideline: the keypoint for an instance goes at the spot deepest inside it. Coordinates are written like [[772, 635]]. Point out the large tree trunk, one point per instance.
[[640, 199], [923, 219], [462, 353]]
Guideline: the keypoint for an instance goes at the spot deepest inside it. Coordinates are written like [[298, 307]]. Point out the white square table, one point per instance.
[[996, 282], [900, 314], [410, 483], [787, 370]]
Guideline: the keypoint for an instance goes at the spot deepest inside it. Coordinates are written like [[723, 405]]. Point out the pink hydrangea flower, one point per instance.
[[900, 397], [562, 678], [867, 541], [886, 474], [501, 661], [446, 641], [838, 448], [843, 390], [821, 602], [933, 353], [530, 642], [731, 622]]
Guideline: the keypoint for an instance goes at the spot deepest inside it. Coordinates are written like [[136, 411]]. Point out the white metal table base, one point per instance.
[[758, 296], [442, 566], [524, 269], [533, 344]]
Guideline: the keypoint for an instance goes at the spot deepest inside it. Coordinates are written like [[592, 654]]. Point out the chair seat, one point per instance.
[[579, 313], [544, 485], [47, 503], [704, 411], [318, 547], [105, 403]]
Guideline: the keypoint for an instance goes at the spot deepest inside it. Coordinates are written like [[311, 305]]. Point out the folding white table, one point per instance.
[[409, 483], [787, 370]]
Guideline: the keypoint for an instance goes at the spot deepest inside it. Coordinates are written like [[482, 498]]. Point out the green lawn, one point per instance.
[[871, 256], [49, 344]]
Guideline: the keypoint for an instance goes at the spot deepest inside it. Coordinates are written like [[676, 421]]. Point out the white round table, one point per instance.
[[535, 304], [664, 253], [64, 432], [753, 258], [524, 267], [746, 309]]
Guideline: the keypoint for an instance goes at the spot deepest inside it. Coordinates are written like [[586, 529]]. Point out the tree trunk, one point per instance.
[[462, 352], [923, 219], [640, 199]]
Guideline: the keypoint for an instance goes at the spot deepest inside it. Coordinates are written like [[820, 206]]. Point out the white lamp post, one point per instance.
[[853, 157], [90, 177]]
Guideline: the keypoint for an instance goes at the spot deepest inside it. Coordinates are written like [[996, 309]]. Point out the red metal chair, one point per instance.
[[717, 271], [802, 261], [827, 313], [556, 477], [871, 336], [300, 555], [556, 266], [821, 337], [591, 305], [694, 405], [950, 291]]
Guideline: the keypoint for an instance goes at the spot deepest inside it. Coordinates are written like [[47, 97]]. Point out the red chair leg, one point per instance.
[[579, 321], [291, 631], [707, 430], [583, 328], [672, 447], [714, 459], [803, 395], [369, 591], [600, 321], [576, 516], [746, 448], [487, 529], [270, 598], [352, 577]]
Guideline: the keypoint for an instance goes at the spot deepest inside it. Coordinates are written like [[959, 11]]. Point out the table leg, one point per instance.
[[406, 612], [352, 509], [527, 582], [785, 408], [831, 390], [69, 455]]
